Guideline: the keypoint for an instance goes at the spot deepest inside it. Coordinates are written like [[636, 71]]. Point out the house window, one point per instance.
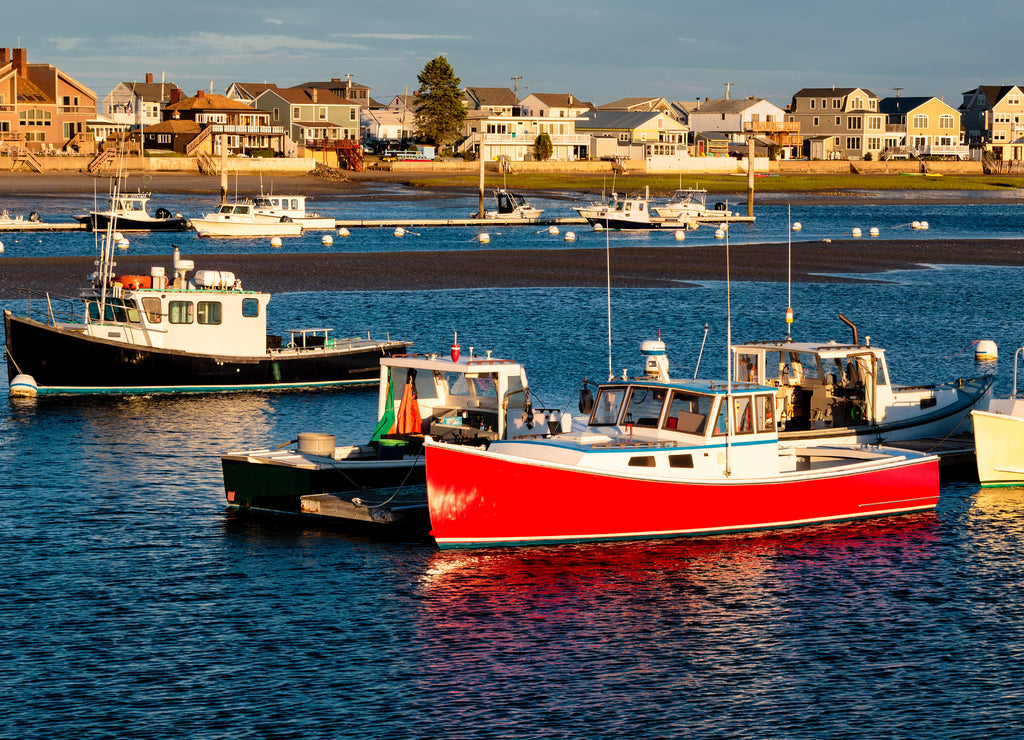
[[946, 121], [321, 113], [1013, 100], [920, 121], [815, 123], [163, 138], [837, 103], [35, 117], [874, 143], [824, 103], [296, 113], [277, 114], [874, 123], [853, 123], [351, 114], [812, 103], [856, 104], [839, 121], [853, 142]]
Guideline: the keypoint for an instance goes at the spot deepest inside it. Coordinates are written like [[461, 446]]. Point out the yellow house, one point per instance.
[[922, 127]]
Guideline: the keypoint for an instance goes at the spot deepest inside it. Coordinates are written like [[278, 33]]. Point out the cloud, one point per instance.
[[274, 21], [400, 36]]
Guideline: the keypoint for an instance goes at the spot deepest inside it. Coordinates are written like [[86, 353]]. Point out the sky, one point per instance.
[[597, 50]]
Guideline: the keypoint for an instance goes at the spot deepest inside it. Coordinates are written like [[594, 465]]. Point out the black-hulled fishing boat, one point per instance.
[[162, 333], [130, 212]]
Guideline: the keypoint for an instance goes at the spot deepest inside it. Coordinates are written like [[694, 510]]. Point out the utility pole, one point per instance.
[[727, 86], [515, 86], [897, 89]]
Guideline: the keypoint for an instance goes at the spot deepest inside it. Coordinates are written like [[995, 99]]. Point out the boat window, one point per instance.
[[208, 312], [642, 461], [250, 308], [180, 312], [680, 461], [746, 367], [475, 385], [606, 408], [241, 209], [688, 413], [644, 407], [765, 413], [799, 368], [721, 422], [133, 312], [743, 414], [224, 209], [151, 305]]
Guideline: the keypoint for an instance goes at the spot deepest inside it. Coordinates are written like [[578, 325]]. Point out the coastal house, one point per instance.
[[386, 126], [318, 123], [42, 109], [744, 119], [225, 122], [653, 136], [137, 104], [849, 115], [553, 105], [993, 119], [345, 89], [921, 127], [512, 138]]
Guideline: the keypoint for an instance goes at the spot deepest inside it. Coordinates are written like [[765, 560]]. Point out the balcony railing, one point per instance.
[[227, 128], [768, 127]]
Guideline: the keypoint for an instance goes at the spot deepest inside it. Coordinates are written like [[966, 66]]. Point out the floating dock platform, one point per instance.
[[390, 223], [956, 454], [40, 226]]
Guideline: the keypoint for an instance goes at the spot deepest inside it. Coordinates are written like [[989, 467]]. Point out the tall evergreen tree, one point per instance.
[[439, 110]]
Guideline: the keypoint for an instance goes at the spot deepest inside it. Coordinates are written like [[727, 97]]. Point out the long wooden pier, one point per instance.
[[472, 222], [16, 226]]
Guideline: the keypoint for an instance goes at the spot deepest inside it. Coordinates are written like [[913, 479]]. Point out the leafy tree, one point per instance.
[[439, 110], [543, 148]]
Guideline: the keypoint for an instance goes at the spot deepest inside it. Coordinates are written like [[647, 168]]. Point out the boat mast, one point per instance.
[[728, 359]]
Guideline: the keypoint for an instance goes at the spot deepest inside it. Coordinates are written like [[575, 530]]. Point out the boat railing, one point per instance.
[[58, 309]]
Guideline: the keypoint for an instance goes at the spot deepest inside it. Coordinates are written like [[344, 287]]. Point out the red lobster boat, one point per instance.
[[664, 458]]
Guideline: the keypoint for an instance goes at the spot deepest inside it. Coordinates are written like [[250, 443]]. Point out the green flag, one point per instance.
[[388, 419]]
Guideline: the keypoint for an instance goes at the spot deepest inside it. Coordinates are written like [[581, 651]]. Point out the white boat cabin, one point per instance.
[[821, 386], [208, 315], [482, 398], [292, 206]]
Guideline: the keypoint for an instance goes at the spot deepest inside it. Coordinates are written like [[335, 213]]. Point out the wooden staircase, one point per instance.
[[350, 153], [26, 158], [104, 156], [206, 164]]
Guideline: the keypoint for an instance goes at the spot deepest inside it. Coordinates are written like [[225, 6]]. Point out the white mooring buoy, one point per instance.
[[553, 230], [856, 232], [342, 231], [874, 231], [986, 351], [399, 231], [327, 240], [484, 238], [275, 241], [797, 226], [570, 236], [680, 235], [23, 386], [719, 233]]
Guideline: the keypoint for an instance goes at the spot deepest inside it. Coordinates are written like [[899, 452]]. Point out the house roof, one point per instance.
[[492, 96], [30, 92], [900, 106], [153, 92], [722, 105], [562, 100], [209, 102], [620, 120], [631, 103], [253, 89], [174, 126], [830, 92], [304, 96], [335, 83]]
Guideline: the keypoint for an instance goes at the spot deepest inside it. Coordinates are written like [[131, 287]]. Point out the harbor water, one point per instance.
[[135, 604]]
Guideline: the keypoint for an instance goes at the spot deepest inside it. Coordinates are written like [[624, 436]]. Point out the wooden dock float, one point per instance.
[[385, 508], [955, 453], [38, 226]]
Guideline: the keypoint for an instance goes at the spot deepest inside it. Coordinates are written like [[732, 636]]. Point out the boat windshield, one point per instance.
[[644, 407], [607, 406], [688, 412]]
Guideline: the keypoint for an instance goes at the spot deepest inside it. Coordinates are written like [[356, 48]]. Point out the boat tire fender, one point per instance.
[[286, 219], [719, 206], [162, 213]]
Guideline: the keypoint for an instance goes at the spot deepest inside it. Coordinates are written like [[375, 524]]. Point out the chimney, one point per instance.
[[5, 55], [21, 62], [149, 78], [313, 94], [200, 94], [175, 95]]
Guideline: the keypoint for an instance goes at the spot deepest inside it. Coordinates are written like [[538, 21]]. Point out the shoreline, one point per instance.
[[632, 267]]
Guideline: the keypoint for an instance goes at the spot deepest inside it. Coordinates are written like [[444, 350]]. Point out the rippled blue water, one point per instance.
[[133, 604], [998, 216]]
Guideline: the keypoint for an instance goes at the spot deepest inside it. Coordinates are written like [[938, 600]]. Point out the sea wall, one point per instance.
[[235, 165]]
